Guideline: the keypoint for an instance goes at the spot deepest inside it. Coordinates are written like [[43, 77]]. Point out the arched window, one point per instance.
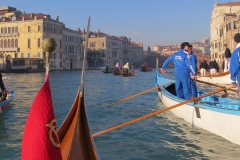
[[38, 42], [9, 44], [1, 44], [60, 44], [16, 43], [12, 43], [29, 43]]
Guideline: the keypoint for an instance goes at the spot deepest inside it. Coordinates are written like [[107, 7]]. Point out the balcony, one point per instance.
[[15, 49], [9, 34]]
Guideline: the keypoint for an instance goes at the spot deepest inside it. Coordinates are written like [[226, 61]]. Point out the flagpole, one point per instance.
[[48, 45], [84, 57]]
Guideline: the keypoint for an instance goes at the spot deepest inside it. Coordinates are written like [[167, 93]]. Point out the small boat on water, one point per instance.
[[132, 73], [146, 69], [107, 72], [212, 113], [118, 73], [4, 104], [221, 78]]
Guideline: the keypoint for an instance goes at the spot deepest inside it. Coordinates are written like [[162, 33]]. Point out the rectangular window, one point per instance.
[[39, 29], [44, 28], [29, 28], [53, 29], [61, 64], [60, 30], [9, 29], [38, 55], [22, 55], [29, 55], [16, 55]]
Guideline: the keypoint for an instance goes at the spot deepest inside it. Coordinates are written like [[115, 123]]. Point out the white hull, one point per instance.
[[222, 124], [225, 79]]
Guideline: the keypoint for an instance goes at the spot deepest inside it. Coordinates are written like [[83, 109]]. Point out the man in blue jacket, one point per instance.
[[183, 68], [235, 63], [193, 60]]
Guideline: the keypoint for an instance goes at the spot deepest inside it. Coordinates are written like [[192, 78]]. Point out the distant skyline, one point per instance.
[[161, 22]]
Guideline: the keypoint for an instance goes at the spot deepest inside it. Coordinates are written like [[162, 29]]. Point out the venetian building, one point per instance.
[[105, 49], [72, 54], [221, 14], [21, 38]]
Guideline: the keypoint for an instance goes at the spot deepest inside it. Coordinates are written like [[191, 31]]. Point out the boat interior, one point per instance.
[[212, 100]]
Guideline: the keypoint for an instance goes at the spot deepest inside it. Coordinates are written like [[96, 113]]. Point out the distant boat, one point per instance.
[[222, 78], [212, 113], [4, 104], [107, 72], [146, 69], [132, 73]]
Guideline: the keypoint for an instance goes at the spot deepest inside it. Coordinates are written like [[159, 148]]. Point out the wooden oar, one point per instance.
[[216, 85], [154, 113], [135, 95]]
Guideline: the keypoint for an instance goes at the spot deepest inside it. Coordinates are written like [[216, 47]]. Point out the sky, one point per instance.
[[160, 22]]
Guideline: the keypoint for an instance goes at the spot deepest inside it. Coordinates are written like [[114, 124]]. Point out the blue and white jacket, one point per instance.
[[235, 65], [193, 63], [182, 61]]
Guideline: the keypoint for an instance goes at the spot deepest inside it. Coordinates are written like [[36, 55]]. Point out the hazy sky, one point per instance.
[[148, 21]]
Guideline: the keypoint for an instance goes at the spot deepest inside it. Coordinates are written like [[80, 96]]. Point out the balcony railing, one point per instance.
[[9, 34], [15, 49]]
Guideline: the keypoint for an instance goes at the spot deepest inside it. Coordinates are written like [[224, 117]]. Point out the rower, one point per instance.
[[213, 66], [203, 67], [4, 91]]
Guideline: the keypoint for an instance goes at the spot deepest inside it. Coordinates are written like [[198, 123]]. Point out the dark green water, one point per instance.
[[164, 136]]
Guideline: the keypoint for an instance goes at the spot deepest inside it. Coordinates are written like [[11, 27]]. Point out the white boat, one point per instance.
[[214, 114], [222, 78]]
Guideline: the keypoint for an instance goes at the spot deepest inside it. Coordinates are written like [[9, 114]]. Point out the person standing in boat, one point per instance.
[[182, 71], [203, 67], [235, 63], [117, 68], [4, 91], [193, 60], [213, 67], [107, 68], [227, 58], [125, 68]]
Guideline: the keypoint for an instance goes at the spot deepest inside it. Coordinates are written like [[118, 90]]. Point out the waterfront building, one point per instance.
[[223, 26], [72, 49], [21, 37]]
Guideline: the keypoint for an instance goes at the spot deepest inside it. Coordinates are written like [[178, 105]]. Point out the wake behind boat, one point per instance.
[[214, 114], [222, 78]]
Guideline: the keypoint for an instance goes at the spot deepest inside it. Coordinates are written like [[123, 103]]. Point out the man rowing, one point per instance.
[[182, 71], [235, 63]]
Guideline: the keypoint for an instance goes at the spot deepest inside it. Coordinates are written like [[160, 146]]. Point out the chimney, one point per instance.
[[35, 17], [31, 15], [129, 39], [22, 18], [78, 30], [57, 18]]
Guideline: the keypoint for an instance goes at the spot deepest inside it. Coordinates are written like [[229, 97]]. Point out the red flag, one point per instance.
[[40, 140]]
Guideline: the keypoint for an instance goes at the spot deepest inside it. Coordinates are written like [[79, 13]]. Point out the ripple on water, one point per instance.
[[164, 136]]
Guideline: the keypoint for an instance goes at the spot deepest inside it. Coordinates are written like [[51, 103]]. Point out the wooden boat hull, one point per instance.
[[146, 70], [133, 73], [223, 78], [6, 103], [117, 74], [107, 72], [75, 136], [217, 119]]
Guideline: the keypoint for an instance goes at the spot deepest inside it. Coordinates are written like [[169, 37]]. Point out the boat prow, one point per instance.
[[222, 78], [75, 135]]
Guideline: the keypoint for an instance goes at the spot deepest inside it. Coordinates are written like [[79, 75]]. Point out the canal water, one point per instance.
[[164, 136]]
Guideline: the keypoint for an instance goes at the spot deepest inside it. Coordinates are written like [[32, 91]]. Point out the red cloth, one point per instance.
[[40, 139]]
